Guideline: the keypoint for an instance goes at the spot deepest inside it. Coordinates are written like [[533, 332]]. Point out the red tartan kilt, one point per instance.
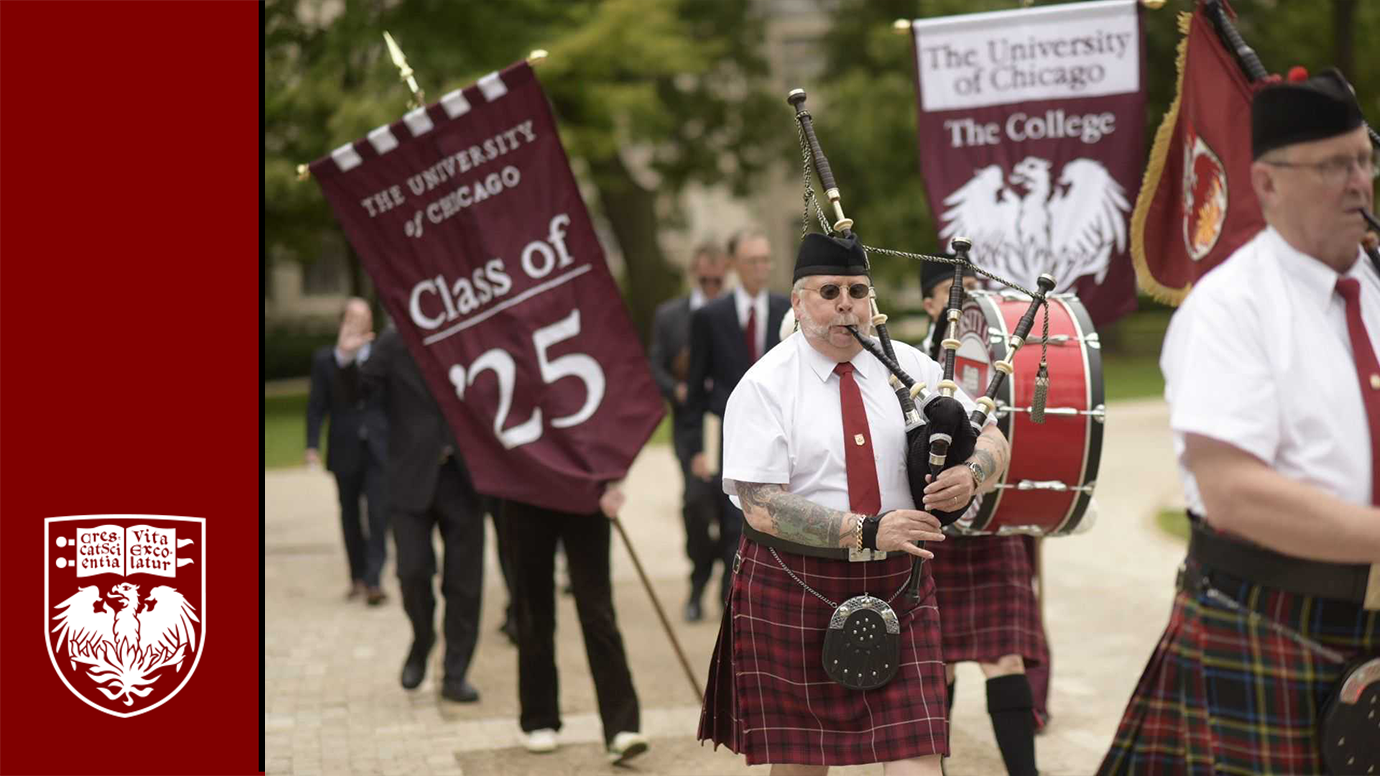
[[987, 605], [768, 697]]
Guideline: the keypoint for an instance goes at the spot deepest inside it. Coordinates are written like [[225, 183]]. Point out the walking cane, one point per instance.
[[661, 615]]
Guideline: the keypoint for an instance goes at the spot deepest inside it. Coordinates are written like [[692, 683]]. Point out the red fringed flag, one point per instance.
[[1196, 204]]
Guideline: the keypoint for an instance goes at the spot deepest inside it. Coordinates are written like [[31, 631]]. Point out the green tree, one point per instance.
[[679, 80]]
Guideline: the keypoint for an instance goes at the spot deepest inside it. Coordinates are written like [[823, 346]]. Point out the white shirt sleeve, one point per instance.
[[1218, 377], [756, 445]]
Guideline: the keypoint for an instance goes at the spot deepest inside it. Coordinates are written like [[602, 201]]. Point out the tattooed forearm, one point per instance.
[[770, 509], [991, 453]]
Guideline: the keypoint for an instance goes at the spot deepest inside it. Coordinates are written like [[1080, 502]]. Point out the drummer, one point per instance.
[[987, 607]]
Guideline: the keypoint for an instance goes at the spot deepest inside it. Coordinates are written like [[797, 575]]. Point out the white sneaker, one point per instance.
[[625, 746], [540, 741]]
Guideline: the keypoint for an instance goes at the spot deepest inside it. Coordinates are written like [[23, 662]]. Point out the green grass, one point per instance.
[[1173, 522], [285, 430], [1130, 377], [285, 415], [1130, 370]]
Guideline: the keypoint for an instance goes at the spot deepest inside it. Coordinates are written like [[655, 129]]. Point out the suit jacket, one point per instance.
[[354, 424], [417, 431], [719, 354], [670, 355]]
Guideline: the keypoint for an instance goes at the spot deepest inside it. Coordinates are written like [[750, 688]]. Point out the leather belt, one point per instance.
[[831, 553], [1357, 583]]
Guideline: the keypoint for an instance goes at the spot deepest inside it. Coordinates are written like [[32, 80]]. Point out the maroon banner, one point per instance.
[[1197, 205], [1030, 136], [468, 219]]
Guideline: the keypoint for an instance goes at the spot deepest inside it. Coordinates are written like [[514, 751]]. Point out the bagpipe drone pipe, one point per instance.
[[940, 433]]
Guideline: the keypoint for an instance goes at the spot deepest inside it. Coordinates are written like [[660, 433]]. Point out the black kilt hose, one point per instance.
[[1225, 695], [986, 600], [768, 697]]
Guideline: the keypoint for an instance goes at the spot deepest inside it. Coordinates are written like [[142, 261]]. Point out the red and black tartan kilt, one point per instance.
[[768, 697], [1224, 695], [986, 600]]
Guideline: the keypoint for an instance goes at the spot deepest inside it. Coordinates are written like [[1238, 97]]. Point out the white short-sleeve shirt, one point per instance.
[[1259, 357], [784, 423]]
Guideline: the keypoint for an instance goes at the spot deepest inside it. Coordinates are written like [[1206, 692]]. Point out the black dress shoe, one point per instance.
[[414, 670], [693, 611], [459, 691]]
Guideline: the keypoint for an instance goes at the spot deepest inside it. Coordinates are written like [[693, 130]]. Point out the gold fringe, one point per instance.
[[1154, 169]]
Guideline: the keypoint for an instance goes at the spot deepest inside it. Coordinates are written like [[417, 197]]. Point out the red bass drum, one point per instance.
[[1047, 487]]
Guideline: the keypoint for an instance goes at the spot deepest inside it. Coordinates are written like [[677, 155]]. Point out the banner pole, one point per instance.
[[661, 615], [404, 71]]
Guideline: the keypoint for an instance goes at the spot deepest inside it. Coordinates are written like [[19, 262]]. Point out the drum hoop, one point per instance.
[[1092, 447]]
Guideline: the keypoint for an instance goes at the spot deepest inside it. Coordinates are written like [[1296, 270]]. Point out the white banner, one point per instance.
[[1055, 52]]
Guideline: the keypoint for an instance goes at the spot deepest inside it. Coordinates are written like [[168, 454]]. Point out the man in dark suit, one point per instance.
[[430, 489], [670, 356], [727, 336], [356, 448]]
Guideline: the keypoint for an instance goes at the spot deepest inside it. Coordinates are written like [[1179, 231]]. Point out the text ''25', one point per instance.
[[501, 363]]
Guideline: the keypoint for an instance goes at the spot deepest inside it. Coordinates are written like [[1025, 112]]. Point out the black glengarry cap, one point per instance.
[[830, 255], [1301, 111]]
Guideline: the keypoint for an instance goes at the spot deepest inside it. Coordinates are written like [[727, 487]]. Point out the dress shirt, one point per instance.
[[759, 303], [784, 425], [1259, 357], [360, 357]]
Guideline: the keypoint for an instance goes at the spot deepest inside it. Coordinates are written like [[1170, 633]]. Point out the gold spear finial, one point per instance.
[[404, 70], [901, 26], [536, 57]]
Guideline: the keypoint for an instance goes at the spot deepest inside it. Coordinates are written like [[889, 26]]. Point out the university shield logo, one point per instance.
[[125, 614], [1204, 197]]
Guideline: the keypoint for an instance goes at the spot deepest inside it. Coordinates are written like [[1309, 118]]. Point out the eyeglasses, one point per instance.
[[1337, 170], [830, 291], [710, 282]]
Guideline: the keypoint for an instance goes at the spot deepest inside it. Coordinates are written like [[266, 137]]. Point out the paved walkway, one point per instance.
[[335, 707]]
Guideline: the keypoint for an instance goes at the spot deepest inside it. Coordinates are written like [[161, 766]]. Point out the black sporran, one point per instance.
[[862, 647], [1349, 733]]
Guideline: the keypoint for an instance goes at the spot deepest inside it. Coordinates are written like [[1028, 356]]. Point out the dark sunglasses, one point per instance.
[[830, 291]]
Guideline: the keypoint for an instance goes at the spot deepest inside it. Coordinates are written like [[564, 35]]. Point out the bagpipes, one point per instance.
[[940, 434]]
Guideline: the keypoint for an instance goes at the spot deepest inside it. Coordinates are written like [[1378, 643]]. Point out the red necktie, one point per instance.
[[864, 494], [1367, 371], [750, 332]]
